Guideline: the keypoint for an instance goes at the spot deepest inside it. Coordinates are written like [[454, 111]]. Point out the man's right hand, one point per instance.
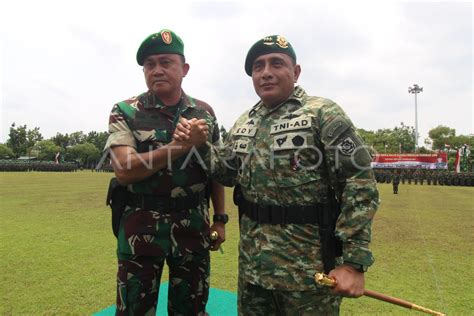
[[181, 133], [193, 132], [350, 282]]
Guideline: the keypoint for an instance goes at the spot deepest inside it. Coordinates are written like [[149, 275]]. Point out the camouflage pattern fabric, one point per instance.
[[396, 182], [139, 282], [274, 155], [158, 233], [149, 236], [144, 124], [256, 301]]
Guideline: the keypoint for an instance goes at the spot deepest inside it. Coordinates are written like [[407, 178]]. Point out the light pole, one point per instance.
[[415, 90]]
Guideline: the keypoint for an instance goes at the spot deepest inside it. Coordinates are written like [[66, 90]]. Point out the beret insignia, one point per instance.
[[268, 45], [282, 42], [163, 42], [166, 36]]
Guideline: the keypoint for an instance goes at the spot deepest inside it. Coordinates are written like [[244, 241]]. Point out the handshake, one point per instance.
[[191, 132]]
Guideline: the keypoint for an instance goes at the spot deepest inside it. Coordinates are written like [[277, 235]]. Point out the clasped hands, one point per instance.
[[191, 132]]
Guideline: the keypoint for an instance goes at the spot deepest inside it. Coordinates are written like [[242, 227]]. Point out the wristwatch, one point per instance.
[[222, 218], [357, 266]]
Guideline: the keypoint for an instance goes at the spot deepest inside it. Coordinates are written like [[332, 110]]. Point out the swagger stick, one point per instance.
[[325, 280]]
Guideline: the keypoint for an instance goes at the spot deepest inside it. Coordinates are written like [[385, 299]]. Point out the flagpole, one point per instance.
[[415, 90]]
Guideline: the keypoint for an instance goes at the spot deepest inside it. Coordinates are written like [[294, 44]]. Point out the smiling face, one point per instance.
[[164, 74], [274, 76]]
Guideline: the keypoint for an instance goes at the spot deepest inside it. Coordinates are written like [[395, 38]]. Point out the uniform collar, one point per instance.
[[298, 95], [150, 101]]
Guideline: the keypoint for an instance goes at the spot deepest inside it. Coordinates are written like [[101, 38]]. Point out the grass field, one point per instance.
[[58, 252]]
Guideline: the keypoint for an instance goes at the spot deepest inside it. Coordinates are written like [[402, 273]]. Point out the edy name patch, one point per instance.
[[290, 141], [300, 122], [247, 129]]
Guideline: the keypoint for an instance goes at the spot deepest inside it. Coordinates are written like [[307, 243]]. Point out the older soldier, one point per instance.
[[308, 193], [166, 214]]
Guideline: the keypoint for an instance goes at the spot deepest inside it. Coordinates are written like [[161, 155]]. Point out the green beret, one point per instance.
[[163, 42], [268, 45]]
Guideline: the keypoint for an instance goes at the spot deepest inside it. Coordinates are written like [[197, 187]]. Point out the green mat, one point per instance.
[[220, 303]]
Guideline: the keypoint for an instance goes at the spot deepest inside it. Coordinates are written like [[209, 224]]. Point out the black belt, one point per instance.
[[276, 214], [165, 203]]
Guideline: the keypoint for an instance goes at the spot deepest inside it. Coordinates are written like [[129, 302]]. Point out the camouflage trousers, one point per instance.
[[254, 300], [395, 189], [138, 284]]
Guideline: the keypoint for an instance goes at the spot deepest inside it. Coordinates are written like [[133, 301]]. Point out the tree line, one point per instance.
[[86, 149]]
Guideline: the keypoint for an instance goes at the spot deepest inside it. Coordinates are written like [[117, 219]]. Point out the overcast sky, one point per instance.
[[63, 64]]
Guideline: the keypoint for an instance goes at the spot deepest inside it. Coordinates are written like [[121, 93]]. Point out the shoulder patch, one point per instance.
[[334, 129], [347, 146]]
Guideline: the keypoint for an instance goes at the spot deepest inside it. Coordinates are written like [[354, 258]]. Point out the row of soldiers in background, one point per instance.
[[22, 165], [422, 176], [19, 165], [107, 168]]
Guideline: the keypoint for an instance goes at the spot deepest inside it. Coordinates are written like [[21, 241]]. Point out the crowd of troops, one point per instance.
[[19, 165], [22, 165], [424, 176]]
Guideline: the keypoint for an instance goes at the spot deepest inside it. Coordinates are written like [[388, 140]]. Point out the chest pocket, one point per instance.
[[298, 161], [151, 131], [150, 140], [241, 148]]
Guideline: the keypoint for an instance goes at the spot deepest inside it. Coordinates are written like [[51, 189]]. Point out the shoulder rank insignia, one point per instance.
[[268, 40]]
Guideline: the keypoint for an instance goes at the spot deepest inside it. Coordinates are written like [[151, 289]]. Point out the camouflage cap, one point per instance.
[[163, 42], [268, 45]]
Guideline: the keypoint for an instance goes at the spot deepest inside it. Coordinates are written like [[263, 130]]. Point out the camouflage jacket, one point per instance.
[[291, 155], [144, 124]]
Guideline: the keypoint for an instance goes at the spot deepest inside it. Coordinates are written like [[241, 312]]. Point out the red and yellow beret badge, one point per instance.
[[166, 36]]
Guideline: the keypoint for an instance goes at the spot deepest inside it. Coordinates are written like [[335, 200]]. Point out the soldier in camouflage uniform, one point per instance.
[[288, 153], [166, 217], [441, 178], [434, 176], [395, 182]]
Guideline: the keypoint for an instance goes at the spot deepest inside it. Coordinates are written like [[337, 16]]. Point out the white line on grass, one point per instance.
[[430, 262]]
